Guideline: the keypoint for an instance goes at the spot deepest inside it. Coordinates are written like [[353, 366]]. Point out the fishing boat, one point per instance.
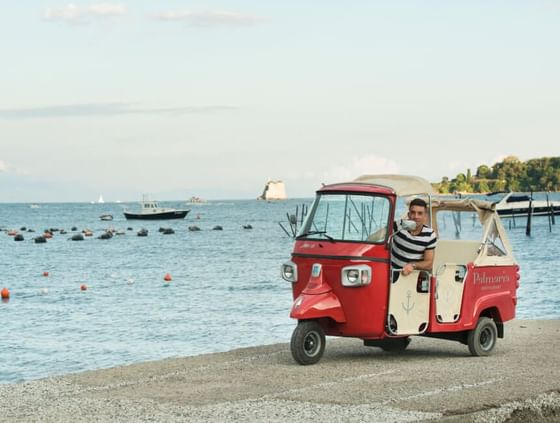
[[106, 216], [516, 204], [150, 210], [196, 200]]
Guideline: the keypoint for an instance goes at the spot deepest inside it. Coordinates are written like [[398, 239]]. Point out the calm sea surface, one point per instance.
[[226, 290]]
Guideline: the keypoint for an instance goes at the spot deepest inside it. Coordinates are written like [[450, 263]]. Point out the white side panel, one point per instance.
[[449, 293], [407, 307]]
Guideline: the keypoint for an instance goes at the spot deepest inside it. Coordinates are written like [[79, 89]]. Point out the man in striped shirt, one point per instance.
[[414, 249]]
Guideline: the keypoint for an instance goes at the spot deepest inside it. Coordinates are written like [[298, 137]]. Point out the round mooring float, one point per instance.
[[5, 293]]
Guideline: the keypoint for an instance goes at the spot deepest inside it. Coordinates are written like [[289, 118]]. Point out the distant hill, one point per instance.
[[510, 174]]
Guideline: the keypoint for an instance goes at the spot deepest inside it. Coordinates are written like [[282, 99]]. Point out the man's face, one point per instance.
[[418, 214]]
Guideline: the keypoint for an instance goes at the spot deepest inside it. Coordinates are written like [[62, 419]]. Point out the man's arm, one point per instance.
[[425, 264]]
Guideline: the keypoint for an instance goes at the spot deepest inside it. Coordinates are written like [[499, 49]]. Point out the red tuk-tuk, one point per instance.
[[343, 283]]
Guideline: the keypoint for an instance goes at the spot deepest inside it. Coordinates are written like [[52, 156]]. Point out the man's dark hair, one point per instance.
[[418, 202]]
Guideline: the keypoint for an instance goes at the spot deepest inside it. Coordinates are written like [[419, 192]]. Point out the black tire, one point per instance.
[[483, 338], [308, 342], [395, 345]]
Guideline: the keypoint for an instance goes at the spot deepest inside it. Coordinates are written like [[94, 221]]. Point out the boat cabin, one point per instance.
[[148, 206]]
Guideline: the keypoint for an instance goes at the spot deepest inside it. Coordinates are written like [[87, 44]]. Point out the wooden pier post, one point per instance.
[[529, 215]]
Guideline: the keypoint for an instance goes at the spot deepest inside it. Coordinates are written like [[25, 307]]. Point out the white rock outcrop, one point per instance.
[[273, 190]]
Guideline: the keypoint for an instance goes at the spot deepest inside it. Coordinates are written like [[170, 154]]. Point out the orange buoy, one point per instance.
[[167, 277], [5, 293], [45, 273], [83, 287]]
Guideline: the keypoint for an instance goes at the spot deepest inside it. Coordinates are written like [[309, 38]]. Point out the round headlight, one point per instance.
[[353, 275], [288, 272], [356, 276]]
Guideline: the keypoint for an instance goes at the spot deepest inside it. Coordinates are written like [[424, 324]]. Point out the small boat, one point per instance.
[[196, 200], [150, 210], [513, 204], [106, 216], [34, 206]]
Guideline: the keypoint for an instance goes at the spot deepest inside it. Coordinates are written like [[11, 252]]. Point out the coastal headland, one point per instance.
[[434, 380]]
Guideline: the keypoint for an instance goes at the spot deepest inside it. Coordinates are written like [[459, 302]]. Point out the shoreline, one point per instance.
[[434, 380]]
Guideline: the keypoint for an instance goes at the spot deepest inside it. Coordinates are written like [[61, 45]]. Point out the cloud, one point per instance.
[[83, 14], [367, 165], [102, 109], [3, 166], [106, 9], [211, 18]]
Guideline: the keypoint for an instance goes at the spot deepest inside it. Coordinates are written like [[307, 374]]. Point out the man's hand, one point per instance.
[[408, 269]]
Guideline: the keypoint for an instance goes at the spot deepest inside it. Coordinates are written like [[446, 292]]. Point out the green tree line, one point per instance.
[[510, 174]]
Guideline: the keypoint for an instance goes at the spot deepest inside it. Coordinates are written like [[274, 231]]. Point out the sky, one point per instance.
[[213, 98]]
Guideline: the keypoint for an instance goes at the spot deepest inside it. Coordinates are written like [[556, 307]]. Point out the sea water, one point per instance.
[[226, 291]]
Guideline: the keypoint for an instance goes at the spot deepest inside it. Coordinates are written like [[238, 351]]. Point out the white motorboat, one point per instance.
[[516, 204], [150, 210]]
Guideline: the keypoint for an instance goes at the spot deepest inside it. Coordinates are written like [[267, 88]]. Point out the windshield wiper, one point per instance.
[[324, 233]]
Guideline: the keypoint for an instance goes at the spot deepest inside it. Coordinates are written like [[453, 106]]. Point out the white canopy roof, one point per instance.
[[464, 204], [403, 185]]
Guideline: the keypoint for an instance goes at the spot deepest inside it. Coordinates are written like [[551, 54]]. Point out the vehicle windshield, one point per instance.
[[347, 217]]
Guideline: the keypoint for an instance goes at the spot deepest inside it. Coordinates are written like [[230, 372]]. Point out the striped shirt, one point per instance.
[[408, 248]]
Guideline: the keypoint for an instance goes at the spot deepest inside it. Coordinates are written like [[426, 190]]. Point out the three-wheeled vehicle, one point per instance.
[[343, 283]]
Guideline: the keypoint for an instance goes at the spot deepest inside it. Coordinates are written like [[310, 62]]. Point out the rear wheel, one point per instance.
[[308, 342], [395, 345], [482, 339]]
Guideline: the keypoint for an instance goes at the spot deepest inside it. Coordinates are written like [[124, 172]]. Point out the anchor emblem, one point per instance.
[[408, 307]]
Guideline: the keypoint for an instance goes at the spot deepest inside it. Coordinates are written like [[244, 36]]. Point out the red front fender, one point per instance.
[[317, 306]]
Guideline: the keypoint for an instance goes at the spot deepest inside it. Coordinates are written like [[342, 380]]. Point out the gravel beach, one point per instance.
[[434, 380]]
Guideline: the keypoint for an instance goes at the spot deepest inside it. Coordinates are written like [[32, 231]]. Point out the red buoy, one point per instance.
[[5, 293], [45, 273], [83, 287], [167, 277]]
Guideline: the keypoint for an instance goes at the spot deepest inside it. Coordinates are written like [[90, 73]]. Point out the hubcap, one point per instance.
[[486, 339], [312, 344]]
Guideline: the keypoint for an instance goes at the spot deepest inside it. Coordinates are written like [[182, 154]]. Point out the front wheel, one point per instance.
[[308, 342], [482, 339]]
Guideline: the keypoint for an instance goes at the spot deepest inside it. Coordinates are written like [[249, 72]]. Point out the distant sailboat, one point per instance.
[[100, 199]]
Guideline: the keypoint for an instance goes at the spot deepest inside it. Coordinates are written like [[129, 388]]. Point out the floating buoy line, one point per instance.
[[105, 234], [5, 292]]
